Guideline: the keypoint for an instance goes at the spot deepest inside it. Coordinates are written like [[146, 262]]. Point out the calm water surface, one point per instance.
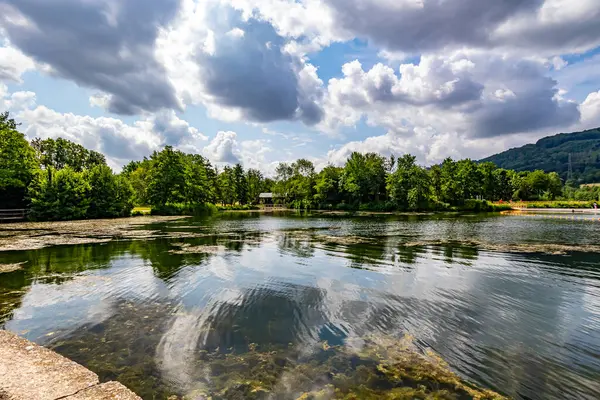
[[147, 312]]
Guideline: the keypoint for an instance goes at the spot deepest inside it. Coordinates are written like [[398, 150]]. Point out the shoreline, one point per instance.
[[29, 371]]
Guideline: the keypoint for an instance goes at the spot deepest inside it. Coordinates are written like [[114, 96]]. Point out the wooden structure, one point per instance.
[[269, 201], [13, 215]]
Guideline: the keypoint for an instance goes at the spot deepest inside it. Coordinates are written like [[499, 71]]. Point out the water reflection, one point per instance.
[[527, 325]]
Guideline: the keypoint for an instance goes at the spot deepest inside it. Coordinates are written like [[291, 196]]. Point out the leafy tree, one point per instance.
[[18, 164], [59, 195], [241, 184], [131, 167], [327, 184], [255, 183], [226, 184], [435, 175], [110, 195], [302, 183], [166, 181], [283, 180], [61, 153], [363, 178], [139, 180], [409, 186], [197, 189], [502, 189]]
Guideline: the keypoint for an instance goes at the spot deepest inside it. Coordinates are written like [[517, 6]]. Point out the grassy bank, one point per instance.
[[552, 204]]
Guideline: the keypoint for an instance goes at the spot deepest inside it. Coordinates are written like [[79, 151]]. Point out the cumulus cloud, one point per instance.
[[106, 44], [590, 111], [224, 148], [13, 63], [16, 101], [469, 92], [120, 142], [415, 26], [238, 67]]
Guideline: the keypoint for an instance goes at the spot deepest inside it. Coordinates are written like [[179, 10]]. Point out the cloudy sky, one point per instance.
[[263, 81]]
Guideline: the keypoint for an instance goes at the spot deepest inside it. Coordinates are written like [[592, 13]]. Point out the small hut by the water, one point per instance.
[[268, 199]]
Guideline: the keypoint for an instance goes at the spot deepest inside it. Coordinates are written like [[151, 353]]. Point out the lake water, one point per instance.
[[249, 298]]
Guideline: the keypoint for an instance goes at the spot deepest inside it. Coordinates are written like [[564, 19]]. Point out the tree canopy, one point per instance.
[[57, 179]]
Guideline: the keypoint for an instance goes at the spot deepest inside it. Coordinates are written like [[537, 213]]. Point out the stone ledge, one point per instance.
[[29, 371]]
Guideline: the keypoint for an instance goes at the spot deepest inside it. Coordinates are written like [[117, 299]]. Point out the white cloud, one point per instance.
[[590, 111], [224, 148], [120, 142], [470, 93], [238, 68], [13, 63]]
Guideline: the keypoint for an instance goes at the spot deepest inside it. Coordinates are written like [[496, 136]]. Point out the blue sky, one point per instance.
[[268, 81]]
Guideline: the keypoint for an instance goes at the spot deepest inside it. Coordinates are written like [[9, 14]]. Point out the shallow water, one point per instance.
[[155, 314]]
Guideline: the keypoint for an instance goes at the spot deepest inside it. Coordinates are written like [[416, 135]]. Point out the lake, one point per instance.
[[276, 306]]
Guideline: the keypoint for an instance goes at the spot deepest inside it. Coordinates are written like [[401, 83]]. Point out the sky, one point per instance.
[[268, 81]]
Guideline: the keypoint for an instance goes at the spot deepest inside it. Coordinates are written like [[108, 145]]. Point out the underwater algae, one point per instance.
[[37, 235], [373, 367]]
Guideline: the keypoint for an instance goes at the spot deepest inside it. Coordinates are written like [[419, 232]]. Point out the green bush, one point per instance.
[[137, 213]]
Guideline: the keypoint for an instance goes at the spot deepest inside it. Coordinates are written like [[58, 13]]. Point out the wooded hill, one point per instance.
[[551, 154]]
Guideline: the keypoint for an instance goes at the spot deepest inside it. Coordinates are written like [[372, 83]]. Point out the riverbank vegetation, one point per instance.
[[55, 179]]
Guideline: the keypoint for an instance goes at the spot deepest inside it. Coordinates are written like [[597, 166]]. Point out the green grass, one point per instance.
[[143, 210], [551, 204]]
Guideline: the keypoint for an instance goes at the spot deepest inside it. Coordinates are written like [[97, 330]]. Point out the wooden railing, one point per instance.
[[274, 207], [12, 215]]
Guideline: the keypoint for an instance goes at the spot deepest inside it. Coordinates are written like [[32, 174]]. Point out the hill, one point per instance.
[[551, 154]]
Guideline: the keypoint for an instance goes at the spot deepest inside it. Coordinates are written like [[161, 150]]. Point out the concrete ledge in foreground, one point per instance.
[[29, 371]]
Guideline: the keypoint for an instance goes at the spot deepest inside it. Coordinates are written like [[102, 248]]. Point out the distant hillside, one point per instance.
[[551, 154]]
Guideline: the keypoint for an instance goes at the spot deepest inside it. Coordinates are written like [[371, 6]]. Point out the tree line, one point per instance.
[[56, 179]]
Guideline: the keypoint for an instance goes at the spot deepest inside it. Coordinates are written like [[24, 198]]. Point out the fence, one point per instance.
[[12, 215]]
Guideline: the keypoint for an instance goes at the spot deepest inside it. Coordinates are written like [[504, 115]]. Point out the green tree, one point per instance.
[[166, 181], [435, 175], [302, 183], [226, 184], [363, 178], [241, 184], [503, 189], [197, 189], [409, 186], [139, 180], [327, 185], [18, 164], [110, 195], [59, 195], [283, 181], [255, 182], [60, 153]]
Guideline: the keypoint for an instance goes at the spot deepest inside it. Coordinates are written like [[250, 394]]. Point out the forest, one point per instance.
[[552, 153], [56, 179]]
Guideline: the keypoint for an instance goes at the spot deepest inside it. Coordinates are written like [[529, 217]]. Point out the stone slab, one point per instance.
[[105, 391], [29, 371], [32, 372]]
